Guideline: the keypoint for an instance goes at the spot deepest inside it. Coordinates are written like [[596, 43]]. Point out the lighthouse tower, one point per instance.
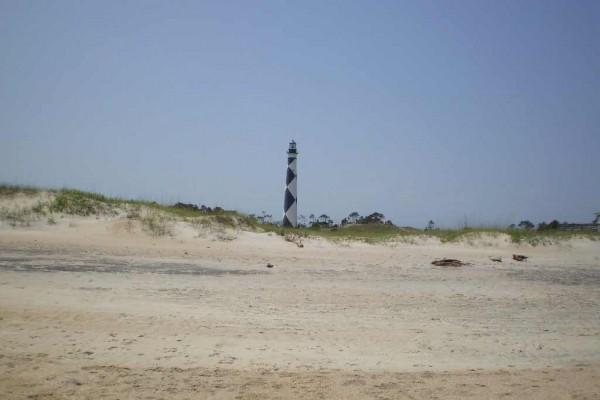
[[290, 203]]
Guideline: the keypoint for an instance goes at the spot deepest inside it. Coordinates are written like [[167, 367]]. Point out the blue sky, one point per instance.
[[416, 109]]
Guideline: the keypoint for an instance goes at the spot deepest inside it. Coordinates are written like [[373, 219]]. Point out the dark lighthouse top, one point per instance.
[[292, 149]]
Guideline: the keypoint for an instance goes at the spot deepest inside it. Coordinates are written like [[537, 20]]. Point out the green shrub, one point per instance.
[[18, 217], [155, 225], [13, 190], [78, 203]]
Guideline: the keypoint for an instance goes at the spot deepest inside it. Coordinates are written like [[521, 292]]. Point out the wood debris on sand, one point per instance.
[[448, 262], [297, 240], [519, 257]]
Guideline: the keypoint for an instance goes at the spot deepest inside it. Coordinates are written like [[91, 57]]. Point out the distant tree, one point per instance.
[[311, 218], [265, 218], [322, 222], [302, 219], [375, 218], [344, 222], [542, 226], [526, 224], [323, 218], [353, 217], [512, 226], [186, 206], [389, 223], [430, 225], [554, 224]]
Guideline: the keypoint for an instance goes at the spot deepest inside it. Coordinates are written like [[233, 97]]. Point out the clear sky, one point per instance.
[[420, 110]]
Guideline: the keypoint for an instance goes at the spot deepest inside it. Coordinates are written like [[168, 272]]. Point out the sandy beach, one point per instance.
[[337, 200], [94, 308]]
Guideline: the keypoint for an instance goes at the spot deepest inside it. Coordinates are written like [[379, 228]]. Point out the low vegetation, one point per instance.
[[18, 217], [14, 190], [75, 202], [370, 233], [156, 224], [155, 219], [31, 205]]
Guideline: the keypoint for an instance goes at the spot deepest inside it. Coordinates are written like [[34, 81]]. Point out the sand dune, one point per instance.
[[95, 308]]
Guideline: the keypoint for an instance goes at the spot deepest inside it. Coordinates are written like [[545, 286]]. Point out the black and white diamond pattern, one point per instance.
[[290, 203]]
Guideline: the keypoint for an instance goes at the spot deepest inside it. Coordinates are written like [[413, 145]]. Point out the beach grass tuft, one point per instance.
[[7, 190]]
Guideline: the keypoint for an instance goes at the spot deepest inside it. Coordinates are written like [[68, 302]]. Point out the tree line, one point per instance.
[[542, 226], [325, 221]]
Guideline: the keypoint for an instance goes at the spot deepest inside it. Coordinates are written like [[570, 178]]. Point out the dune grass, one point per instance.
[[385, 233], [78, 202], [156, 219], [13, 190], [19, 217], [535, 237], [156, 224], [75, 202]]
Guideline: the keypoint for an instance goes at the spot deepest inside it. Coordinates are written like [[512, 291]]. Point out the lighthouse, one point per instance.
[[290, 202]]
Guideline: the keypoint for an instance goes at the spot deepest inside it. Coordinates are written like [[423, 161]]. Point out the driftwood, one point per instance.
[[496, 259], [519, 257], [448, 262], [269, 265], [288, 237]]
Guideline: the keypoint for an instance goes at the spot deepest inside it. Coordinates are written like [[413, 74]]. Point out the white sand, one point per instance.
[[93, 308]]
